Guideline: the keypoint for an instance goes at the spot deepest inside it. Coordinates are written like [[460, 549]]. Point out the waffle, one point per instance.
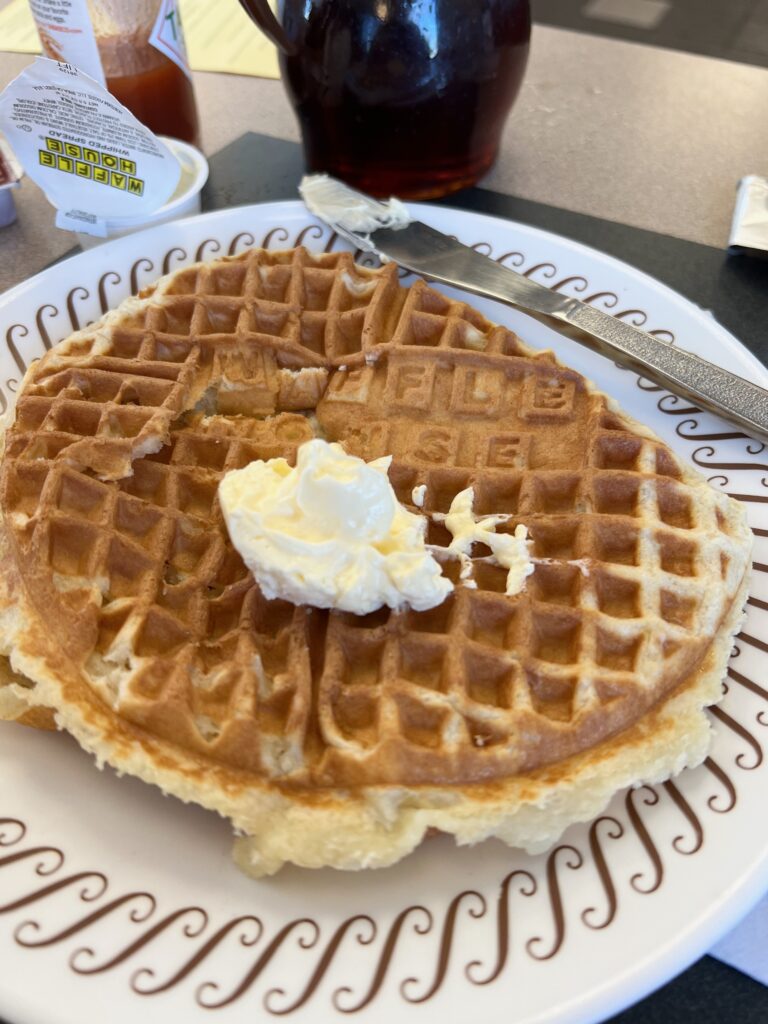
[[328, 738]]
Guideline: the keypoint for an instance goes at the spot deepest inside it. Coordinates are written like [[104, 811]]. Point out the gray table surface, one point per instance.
[[646, 137]]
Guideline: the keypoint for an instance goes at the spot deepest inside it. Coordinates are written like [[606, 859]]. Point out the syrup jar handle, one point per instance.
[[260, 12]]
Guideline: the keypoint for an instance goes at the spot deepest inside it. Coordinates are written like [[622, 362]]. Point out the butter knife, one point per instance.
[[386, 230]]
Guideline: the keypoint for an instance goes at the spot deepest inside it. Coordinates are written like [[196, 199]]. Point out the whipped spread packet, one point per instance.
[[749, 230], [93, 159]]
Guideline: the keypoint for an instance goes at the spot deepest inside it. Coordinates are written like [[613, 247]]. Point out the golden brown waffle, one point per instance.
[[139, 624]]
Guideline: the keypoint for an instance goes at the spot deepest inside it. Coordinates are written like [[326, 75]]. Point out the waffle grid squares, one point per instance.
[[111, 473], [606, 591]]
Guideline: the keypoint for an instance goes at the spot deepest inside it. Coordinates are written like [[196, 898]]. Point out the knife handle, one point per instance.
[[684, 373], [441, 258]]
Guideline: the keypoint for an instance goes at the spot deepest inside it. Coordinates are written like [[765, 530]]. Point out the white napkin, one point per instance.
[[746, 947]]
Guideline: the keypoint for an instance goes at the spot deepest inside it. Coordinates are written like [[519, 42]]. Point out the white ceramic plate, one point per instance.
[[119, 904]]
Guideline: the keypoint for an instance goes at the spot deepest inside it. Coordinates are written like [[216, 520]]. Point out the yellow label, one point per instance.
[[92, 163]]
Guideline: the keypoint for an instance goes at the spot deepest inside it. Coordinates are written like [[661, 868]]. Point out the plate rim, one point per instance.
[[640, 979], [297, 206]]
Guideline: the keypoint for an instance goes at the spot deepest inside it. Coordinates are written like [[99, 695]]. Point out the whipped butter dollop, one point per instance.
[[334, 202], [510, 550], [330, 533]]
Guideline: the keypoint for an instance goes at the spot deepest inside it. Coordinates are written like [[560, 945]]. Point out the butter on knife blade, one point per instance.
[[389, 232], [351, 210]]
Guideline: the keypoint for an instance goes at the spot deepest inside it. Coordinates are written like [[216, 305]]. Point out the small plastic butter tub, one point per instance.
[[10, 172], [184, 201]]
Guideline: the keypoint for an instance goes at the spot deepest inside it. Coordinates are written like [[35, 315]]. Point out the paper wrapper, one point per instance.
[[749, 230], [93, 159]]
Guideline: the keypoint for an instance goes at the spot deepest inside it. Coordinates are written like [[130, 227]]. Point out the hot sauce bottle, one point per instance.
[[134, 47]]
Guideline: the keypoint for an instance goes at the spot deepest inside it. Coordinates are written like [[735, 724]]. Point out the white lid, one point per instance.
[[194, 174]]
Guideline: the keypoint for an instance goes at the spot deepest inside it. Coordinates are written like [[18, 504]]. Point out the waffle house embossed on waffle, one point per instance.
[[604, 658], [444, 408]]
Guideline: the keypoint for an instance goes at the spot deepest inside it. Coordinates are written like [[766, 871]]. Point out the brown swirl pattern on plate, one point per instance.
[[443, 926]]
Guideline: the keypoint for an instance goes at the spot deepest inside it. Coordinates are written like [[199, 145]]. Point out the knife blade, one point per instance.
[[385, 230]]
